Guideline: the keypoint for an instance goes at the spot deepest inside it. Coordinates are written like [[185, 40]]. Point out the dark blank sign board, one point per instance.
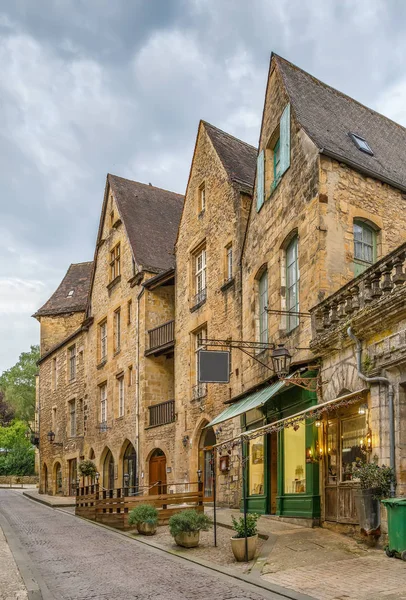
[[214, 366]]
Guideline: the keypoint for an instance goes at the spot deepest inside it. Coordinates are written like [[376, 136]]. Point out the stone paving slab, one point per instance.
[[11, 583], [53, 501]]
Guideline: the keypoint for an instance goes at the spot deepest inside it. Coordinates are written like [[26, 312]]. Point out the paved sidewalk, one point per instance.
[[323, 564], [11, 584], [53, 501]]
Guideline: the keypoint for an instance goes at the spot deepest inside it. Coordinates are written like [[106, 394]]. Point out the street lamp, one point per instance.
[[281, 361], [97, 475], [126, 478], [199, 475], [51, 439]]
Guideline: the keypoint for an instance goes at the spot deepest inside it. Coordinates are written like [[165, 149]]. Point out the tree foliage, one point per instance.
[[18, 385], [6, 412], [17, 456]]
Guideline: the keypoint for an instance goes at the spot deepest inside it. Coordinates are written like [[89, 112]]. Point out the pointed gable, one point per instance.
[[151, 218], [328, 116], [237, 157], [72, 293]]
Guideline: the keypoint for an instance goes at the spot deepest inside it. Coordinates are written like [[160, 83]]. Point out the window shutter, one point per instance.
[[260, 180], [285, 139]]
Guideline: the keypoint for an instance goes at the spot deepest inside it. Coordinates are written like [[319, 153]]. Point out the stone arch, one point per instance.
[[107, 468], [157, 472], [343, 376], [195, 459], [92, 455]]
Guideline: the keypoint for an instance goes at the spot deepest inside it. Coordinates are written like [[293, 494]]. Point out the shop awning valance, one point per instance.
[[253, 400]]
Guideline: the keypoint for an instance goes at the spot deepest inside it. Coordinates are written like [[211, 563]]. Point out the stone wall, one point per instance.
[[56, 328]]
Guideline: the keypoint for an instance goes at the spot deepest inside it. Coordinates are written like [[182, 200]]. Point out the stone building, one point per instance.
[[330, 182], [208, 292], [108, 399]]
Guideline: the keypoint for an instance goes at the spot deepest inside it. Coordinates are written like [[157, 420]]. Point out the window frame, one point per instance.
[[229, 262], [277, 160], [200, 274], [365, 227], [121, 396], [292, 321], [129, 312], [117, 330], [72, 362], [263, 334], [103, 340], [115, 262], [103, 403], [72, 418], [202, 198]]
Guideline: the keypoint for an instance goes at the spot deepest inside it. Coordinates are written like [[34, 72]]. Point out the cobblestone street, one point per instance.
[[81, 561]]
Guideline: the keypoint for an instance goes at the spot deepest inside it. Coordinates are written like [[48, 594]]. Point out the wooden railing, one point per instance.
[[381, 280], [161, 337], [111, 507], [162, 413]]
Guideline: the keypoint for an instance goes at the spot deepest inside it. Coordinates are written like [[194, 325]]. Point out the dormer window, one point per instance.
[[361, 144], [70, 294]]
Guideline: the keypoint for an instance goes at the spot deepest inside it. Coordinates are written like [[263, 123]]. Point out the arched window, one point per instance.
[[364, 246], [262, 307], [292, 284]]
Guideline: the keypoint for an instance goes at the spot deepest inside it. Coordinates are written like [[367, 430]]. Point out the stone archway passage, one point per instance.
[[157, 473], [206, 454], [108, 471], [130, 468]]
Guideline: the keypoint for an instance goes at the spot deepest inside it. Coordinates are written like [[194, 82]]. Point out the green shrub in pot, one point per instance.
[[145, 517], [238, 545], [186, 526], [375, 483]]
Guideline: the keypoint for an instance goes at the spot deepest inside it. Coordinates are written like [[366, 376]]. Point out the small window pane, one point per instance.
[[295, 459], [256, 467], [332, 452], [352, 444]]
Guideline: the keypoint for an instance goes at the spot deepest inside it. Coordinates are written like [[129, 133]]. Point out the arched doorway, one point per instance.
[[157, 472], [108, 471], [92, 455], [130, 467], [58, 491], [45, 479], [206, 454]]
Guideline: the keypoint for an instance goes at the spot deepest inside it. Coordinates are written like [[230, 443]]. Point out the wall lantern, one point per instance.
[[281, 360], [317, 423], [224, 463], [97, 476], [51, 439], [369, 441], [126, 478], [199, 475], [185, 440], [309, 455], [362, 409]]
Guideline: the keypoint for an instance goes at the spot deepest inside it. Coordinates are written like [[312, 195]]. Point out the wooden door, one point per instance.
[[157, 473]]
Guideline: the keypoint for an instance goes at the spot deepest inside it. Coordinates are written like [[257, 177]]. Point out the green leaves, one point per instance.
[[372, 476], [143, 513], [188, 521], [252, 528], [17, 456], [18, 385]]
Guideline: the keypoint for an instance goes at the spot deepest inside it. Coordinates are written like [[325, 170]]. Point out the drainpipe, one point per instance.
[[137, 391], [385, 381]]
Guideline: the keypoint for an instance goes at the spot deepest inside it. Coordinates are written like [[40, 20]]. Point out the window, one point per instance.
[[277, 160], [103, 341], [72, 418], [263, 305], [70, 294], [54, 373], [200, 389], [202, 198], [121, 397], [115, 267], [229, 262], [256, 467], [353, 450], [294, 451], [361, 144], [117, 330], [53, 419], [200, 276], [72, 363], [129, 312], [364, 247], [292, 284], [112, 218], [130, 375], [103, 403]]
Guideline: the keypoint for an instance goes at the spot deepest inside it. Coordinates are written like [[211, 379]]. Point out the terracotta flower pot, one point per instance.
[[238, 547], [188, 539], [146, 528]]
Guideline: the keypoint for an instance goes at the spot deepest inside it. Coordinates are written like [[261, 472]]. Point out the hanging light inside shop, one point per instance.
[[362, 409], [317, 423], [281, 360]]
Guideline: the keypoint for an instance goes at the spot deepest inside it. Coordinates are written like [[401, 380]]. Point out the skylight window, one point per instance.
[[70, 294], [361, 143]]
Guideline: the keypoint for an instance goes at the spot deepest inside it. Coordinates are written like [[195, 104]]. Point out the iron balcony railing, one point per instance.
[[161, 337], [200, 297], [199, 391], [161, 414]]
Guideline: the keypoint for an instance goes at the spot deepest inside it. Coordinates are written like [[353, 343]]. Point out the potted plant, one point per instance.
[[145, 517], [375, 483], [87, 468], [185, 527], [238, 540]]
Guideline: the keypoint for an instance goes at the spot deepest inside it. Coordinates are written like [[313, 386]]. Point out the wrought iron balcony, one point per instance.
[[161, 414], [199, 299], [161, 339], [380, 285], [199, 391]]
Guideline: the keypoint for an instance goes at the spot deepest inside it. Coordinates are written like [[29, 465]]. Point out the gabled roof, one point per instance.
[[238, 158], [72, 293], [151, 218], [328, 116]]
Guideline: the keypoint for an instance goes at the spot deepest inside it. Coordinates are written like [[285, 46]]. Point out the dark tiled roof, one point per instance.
[[151, 217], [328, 116], [239, 158], [77, 279]]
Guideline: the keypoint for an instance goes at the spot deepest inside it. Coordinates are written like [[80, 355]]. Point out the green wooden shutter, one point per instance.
[[260, 180], [285, 139]]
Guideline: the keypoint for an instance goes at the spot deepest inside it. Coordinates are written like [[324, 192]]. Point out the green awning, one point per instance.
[[254, 400]]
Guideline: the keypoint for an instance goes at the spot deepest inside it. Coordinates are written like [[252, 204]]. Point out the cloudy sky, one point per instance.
[[95, 86]]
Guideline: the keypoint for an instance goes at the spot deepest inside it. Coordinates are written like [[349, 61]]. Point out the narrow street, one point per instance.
[[77, 560]]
